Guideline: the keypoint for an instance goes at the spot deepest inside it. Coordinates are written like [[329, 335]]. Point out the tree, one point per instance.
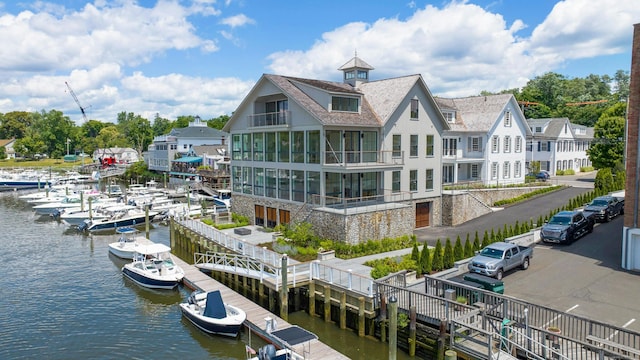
[[13, 125], [438, 261], [111, 137], [54, 129], [458, 251], [161, 126], [425, 260], [3, 153], [219, 122], [607, 149], [468, 249], [415, 252], [604, 181], [448, 260], [621, 85], [136, 129]]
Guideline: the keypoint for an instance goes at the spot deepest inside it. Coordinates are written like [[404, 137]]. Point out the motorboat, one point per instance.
[[10, 181], [119, 216], [153, 267], [210, 314], [128, 242], [269, 352], [289, 337], [71, 201]]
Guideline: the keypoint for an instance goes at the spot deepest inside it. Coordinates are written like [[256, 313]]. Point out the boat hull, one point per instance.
[[149, 282], [107, 225], [209, 325]]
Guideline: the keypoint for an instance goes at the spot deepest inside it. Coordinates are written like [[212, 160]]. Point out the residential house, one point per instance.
[[357, 159], [8, 147], [485, 140], [558, 144], [179, 142]]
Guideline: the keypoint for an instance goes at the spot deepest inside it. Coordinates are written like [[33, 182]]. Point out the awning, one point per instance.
[[188, 159]]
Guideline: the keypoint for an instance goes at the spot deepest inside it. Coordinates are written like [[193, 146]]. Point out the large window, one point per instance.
[[475, 144], [313, 147], [395, 181], [494, 170], [506, 170], [430, 146], [413, 147], [518, 145], [236, 177], [413, 180], [414, 108], [507, 144], [297, 147], [450, 147], [429, 179], [236, 147], [397, 145], [276, 112], [258, 147], [517, 169], [474, 171], [495, 144], [334, 147], [369, 146], [270, 146], [283, 146], [313, 184], [283, 184], [258, 181], [339, 103], [270, 183], [246, 147], [297, 185], [247, 181]]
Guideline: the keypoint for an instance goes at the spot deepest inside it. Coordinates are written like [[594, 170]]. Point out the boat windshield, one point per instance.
[[492, 253]]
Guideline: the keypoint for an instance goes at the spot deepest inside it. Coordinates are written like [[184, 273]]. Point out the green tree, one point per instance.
[[415, 252], [57, 132], [607, 149], [468, 249], [425, 260], [621, 85], [476, 242], [448, 259], [3, 153], [603, 181], [13, 125], [485, 239], [219, 122], [161, 126], [110, 137], [438, 261], [458, 250], [136, 129]]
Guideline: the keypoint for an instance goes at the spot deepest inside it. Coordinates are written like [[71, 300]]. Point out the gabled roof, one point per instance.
[[553, 127], [355, 62], [198, 132], [292, 88], [5, 142], [477, 113], [386, 95]]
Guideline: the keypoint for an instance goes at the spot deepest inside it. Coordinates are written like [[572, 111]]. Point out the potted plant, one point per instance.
[[461, 300], [554, 332]]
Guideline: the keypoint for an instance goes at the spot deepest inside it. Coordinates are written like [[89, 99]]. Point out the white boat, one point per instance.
[[77, 216], [269, 352], [153, 267], [210, 314], [70, 202], [119, 216], [127, 243]]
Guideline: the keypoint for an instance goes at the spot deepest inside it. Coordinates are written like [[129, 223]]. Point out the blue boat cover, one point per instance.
[[214, 307]]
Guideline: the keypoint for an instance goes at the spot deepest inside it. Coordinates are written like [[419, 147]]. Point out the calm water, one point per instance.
[[64, 297]]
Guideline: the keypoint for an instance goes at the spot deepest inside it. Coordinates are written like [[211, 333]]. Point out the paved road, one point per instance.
[[584, 278], [530, 209]]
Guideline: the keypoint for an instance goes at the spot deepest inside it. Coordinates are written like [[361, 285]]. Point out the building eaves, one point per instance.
[[476, 113]]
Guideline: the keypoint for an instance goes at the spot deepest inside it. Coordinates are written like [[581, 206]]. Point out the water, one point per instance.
[[64, 297]]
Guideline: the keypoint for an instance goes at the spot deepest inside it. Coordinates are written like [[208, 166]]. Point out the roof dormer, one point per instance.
[[355, 71]]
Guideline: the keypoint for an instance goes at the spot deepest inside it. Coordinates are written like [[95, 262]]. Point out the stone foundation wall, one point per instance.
[[460, 207], [353, 228]]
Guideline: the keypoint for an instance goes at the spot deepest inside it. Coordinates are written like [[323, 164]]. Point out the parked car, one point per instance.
[[495, 259], [605, 208], [567, 226], [540, 175]]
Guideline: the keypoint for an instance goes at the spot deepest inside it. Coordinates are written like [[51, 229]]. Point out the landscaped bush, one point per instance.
[[527, 195], [560, 172], [237, 221], [386, 266], [569, 172], [586, 168]]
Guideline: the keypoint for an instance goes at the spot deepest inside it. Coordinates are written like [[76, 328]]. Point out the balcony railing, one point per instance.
[[373, 202], [280, 118], [363, 158]]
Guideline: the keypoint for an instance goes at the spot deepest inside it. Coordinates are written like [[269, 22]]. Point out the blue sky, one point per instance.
[[201, 57]]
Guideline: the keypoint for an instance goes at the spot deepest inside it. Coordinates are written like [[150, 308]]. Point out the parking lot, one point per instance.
[[584, 278]]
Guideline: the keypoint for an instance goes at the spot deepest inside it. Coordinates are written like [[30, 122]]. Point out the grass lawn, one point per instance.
[[54, 164]]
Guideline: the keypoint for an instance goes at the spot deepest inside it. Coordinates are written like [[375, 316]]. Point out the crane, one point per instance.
[[586, 102], [84, 114]]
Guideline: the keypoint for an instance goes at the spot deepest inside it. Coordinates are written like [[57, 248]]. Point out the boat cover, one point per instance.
[[294, 335], [214, 307]]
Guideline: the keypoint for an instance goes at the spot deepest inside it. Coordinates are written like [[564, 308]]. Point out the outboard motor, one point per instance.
[[84, 226], [267, 352], [56, 213]]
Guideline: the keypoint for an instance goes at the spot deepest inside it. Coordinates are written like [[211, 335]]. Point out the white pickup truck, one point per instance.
[[500, 257]]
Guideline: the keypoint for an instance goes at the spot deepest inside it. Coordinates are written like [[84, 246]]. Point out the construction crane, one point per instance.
[[84, 114]]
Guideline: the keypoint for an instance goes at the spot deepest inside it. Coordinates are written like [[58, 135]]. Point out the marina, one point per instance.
[[71, 277]]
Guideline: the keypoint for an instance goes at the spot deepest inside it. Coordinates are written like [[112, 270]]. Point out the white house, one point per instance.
[[8, 147], [357, 159], [166, 148], [121, 155], [485, 142], [558, 144]]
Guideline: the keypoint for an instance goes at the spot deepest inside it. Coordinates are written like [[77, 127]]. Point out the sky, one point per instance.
[[202, 57]]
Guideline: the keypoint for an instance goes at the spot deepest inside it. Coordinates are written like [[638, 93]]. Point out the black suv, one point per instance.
[[605, 208], [567, 226]]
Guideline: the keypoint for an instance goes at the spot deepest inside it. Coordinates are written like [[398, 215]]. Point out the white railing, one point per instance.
[[270, 261]]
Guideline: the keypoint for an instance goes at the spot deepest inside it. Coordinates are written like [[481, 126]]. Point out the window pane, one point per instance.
[[429, 179], [297, 185], [270, 146], [430, 141], [313, 147], [395, 181], [397, 145], [414, 145], [283, 146], [297, 149], [258, 147], [258, 181], [270, 183], [413, 180]]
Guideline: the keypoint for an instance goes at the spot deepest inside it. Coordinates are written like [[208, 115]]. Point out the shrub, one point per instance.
[[569, 172], [447, 258], [426, 264], [560, 172], [458, 251], [468, 249], [586, 168], [438, 261]]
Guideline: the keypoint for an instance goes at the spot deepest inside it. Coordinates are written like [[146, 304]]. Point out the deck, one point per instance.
[[256, 315]]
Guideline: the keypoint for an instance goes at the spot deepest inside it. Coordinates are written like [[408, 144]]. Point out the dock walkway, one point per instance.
[[256, 315]]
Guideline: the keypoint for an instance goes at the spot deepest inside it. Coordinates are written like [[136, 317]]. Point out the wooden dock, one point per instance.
[[256, 315]]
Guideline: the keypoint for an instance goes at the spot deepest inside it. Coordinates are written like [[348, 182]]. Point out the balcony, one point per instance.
[[280, 118], [363, 159], [363, 204]]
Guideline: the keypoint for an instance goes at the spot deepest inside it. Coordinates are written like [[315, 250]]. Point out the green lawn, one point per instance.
[[54, 164]]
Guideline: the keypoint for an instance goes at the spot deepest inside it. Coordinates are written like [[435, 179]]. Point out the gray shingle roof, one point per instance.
[[355, 62], [554, 126], [477, 113], [198, 132], [386, 95]]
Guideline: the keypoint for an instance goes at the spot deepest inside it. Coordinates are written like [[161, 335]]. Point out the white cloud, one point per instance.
[[462, 49], [237, 20]]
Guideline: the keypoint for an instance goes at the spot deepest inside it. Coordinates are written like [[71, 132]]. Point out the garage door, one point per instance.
[[423, 214]]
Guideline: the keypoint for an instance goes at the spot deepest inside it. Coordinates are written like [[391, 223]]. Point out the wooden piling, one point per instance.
[[361, 318], [412, 330], [343, 310], [284, 290], [312, 298], [327, 303]]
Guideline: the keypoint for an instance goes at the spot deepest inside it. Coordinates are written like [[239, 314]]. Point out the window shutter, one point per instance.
[[538, 146], [479, 144], [468, 143], [548, 145]]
